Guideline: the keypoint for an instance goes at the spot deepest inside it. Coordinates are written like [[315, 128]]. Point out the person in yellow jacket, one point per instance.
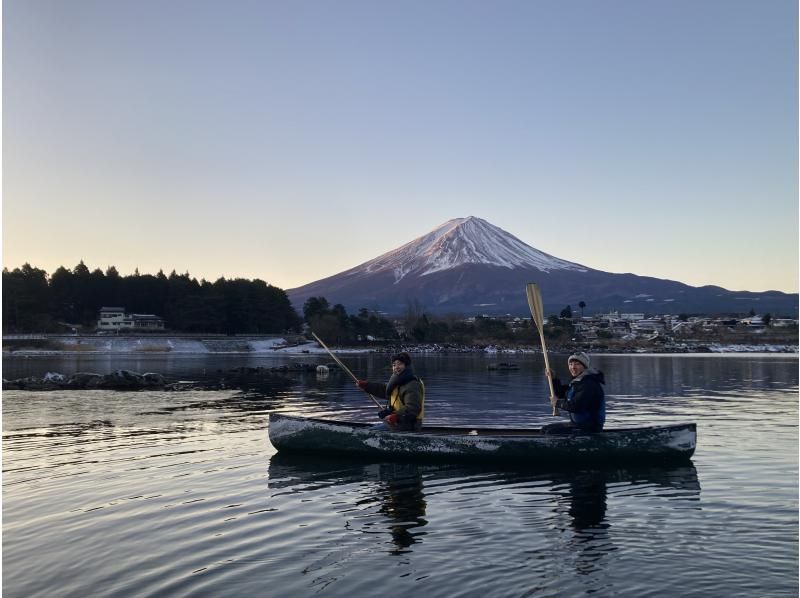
[[405, 394]]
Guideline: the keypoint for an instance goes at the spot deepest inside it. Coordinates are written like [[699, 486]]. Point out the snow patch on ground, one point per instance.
[[716, 348], [159, 345], [266, 345]]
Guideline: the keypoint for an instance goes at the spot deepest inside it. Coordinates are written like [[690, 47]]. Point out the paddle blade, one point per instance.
[[537, 311], [535, 303]]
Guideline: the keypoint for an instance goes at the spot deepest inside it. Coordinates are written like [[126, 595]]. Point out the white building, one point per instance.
[[783, 322], [111, 318], [115, 319], [753, 322], [648, 326], [632, 317]]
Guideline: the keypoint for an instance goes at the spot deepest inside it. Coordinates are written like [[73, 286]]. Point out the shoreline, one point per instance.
[[311, 348], [249, 377]]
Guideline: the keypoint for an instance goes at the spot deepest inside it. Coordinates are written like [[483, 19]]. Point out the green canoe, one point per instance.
[[652, 444]]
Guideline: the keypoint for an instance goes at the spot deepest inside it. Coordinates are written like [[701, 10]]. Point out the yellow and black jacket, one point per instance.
[[405, 394]]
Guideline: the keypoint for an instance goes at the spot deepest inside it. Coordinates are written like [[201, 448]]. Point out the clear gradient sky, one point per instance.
[[289, 141]]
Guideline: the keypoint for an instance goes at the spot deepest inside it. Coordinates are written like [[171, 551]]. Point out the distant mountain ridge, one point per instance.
[[469, 266]]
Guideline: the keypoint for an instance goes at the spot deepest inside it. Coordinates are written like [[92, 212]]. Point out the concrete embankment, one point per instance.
[[151, 343], [288, 344]]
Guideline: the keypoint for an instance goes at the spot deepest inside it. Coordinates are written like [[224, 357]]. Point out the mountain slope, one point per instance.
[[459, 242], [470, 266]]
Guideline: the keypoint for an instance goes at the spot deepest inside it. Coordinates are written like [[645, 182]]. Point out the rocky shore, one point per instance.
[[235, 378], [279, 346], [245, 377]]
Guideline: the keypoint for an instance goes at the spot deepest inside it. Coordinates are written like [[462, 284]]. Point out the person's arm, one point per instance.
[[374, 388], [560, 389]]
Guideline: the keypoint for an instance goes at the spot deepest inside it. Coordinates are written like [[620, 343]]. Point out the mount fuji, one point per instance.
[[469, 266]]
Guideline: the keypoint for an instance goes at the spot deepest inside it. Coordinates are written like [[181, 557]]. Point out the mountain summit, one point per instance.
[[459, 242], [469, 266]]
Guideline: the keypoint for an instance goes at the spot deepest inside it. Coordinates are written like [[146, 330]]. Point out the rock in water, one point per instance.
[[122, 379], [84, 380], [153, 380]]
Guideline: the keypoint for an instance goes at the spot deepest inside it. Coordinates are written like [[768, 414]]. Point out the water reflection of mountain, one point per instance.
[[400, 491]]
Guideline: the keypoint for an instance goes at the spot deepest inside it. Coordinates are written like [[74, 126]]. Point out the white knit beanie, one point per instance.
[[581, 357]]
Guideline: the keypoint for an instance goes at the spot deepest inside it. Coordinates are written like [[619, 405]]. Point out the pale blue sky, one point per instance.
[[289, 141]]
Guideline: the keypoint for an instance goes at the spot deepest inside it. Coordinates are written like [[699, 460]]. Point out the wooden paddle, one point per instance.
[[537, 311], [344, 367]]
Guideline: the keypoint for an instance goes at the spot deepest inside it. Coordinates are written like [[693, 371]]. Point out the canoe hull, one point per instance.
[[652, 444]]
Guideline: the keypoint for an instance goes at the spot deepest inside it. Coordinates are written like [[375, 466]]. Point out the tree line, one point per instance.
[[34, 301], [416, 325], [332, 322]]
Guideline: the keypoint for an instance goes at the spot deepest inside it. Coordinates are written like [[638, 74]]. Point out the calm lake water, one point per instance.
[[181, 494]]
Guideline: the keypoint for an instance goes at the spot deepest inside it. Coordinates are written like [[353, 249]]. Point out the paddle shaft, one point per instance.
[[547, 367], [344, 367], [537, 311]]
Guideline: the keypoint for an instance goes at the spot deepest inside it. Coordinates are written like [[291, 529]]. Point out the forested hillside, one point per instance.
[[34, 301]]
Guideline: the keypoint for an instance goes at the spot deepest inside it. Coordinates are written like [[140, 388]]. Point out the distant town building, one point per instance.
[[115, 319], [754, 322], [784, 322], [648, 326], [632, 317]]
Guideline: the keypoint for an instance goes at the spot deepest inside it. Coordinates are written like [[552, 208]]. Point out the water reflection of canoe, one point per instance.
[[292, 469], [401, 491], [653, 444]]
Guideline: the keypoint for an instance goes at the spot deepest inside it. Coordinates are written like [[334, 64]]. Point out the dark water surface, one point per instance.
[[181, 494]]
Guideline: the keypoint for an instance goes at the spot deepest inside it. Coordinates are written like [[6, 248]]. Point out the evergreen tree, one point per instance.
[[26, 300], [314, 306], [32, 303]]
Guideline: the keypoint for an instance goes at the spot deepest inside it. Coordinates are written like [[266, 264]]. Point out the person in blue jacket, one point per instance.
[[583, 397]]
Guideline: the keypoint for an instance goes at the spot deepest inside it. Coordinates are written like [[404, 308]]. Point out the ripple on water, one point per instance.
[[172, 493]]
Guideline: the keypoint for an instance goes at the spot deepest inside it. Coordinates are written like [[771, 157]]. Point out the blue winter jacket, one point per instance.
[[584, 399]]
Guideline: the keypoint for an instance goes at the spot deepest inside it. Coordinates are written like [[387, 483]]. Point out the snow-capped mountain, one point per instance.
[[469, 266], [459, 242]]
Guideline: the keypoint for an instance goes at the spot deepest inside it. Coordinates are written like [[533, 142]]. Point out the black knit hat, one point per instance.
[[403, 357]]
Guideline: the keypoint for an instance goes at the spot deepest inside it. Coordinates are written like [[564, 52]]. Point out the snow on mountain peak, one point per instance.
[[463, 241]]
